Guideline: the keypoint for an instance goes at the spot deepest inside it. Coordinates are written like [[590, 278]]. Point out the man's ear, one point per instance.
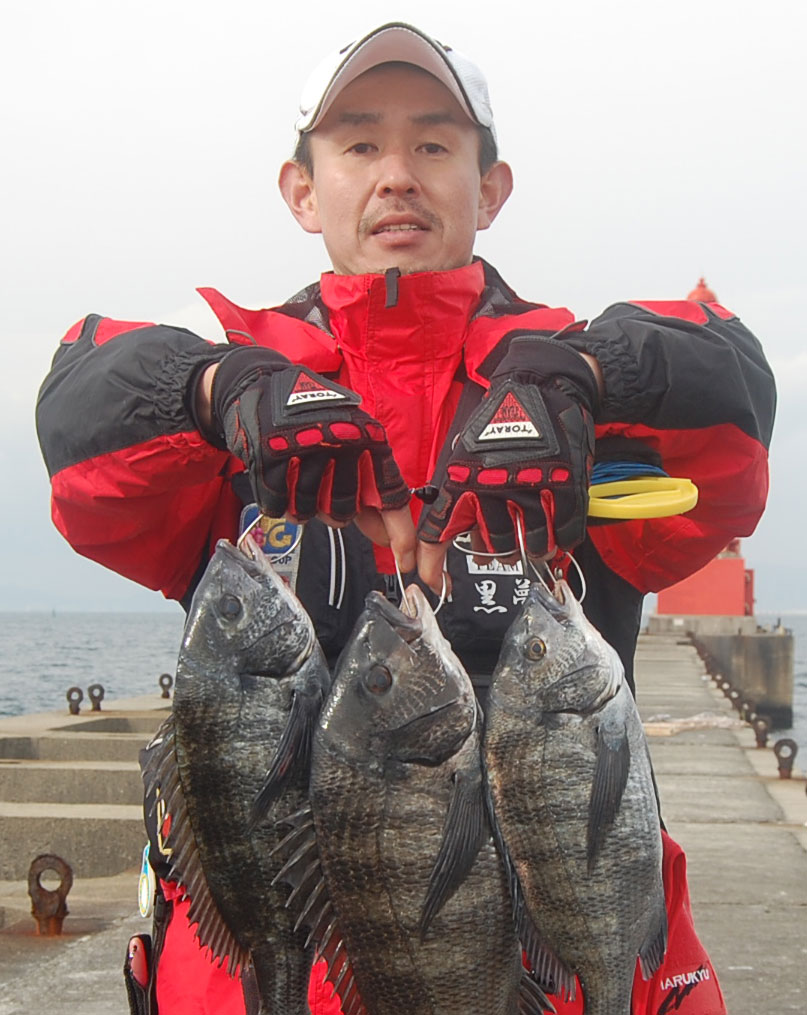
[[494, 189], [297, 188]]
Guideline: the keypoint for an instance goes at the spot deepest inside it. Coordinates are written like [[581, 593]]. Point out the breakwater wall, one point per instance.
[[758, 662]]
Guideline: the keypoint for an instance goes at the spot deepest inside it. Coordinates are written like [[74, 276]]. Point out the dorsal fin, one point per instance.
[[548, 970], [312, 907], [163, 788]]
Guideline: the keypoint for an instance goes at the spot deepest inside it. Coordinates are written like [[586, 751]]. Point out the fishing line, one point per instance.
[[404, 599], [479, 553], [247, 531], [405, 605], [443, 591]]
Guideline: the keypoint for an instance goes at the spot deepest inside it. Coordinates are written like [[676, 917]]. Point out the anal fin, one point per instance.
[[654, 947], [531, 999]]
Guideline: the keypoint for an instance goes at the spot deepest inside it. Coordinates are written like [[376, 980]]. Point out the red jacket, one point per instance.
[[136, 488]]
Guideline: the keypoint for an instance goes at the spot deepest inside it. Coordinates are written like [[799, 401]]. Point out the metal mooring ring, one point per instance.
[[74, 696], [96, 694], [166, 682], [785, 751], [49, 908]]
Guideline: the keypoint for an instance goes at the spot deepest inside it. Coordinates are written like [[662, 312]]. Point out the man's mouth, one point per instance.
[[399, 227]]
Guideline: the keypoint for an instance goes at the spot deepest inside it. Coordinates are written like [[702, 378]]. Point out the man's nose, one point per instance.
[[396, 175]]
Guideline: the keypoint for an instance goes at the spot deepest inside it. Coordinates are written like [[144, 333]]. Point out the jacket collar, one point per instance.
[[397, 318]]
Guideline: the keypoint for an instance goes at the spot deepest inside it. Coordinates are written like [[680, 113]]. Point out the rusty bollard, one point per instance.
[[74, 696], [166, 682], [785, 751], [49, 908], [96, 695], [762, 729]]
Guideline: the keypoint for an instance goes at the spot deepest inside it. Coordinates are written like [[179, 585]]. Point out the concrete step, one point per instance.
[[71, 785], [59, 746], [95, 839], [78, 782]]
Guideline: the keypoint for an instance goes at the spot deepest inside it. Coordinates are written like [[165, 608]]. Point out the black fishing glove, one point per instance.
[[306, 444], [525, 454]]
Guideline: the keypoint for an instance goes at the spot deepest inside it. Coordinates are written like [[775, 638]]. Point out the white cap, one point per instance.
[[391, 43]]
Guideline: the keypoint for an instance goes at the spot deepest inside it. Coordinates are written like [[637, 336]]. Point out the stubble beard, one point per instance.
[[368, 224]]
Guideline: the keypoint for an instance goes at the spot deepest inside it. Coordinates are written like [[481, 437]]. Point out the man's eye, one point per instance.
[[362, 148], [432, 148]]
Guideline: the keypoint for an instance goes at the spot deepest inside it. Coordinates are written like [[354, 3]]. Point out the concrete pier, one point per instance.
[[757, 661], [744, 831]]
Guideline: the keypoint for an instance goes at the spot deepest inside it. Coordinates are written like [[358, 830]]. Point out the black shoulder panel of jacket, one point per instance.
[[307, 305], [673, 373], [99, 398], [498, 298]]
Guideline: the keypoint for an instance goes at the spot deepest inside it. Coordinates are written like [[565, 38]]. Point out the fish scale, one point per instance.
[[562, 735], [250, 682], [415, 884]]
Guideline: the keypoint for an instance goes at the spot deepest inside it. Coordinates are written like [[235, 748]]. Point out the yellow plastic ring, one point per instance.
[[646, 497]]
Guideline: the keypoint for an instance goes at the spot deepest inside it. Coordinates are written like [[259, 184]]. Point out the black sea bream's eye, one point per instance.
[[229, 606], [535, 648], [378, 680]]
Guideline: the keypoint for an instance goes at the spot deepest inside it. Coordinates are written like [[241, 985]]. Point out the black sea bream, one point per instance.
[[573, 805], [409, 903], [249, 685]]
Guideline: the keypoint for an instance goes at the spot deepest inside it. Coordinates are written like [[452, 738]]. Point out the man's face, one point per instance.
[[396, 176]]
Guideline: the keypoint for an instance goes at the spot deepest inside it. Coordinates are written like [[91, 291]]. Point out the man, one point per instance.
[[412, 367]]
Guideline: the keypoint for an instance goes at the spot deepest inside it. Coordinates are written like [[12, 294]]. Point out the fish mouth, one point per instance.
[[558, 602], [246, 554], [408, 628]]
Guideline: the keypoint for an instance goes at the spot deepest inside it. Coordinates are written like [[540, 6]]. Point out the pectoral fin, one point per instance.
[[293, 753], [610, 779], [465, 829]]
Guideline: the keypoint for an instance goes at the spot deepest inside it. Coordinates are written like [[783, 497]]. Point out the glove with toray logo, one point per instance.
[[307, 445], [524, 455]]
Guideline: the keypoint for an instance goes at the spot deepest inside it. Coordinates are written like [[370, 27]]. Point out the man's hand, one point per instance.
[[523, 459], [307, 446]]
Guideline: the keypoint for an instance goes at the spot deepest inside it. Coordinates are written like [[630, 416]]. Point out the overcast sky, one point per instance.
[[651, 143]]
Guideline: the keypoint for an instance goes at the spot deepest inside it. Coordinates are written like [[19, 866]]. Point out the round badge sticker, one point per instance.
[[147, 886]]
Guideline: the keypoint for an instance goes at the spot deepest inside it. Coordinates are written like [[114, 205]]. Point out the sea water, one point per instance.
[[44, 654]]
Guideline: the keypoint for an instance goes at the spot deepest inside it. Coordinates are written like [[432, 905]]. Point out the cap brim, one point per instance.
[[388, 44]]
